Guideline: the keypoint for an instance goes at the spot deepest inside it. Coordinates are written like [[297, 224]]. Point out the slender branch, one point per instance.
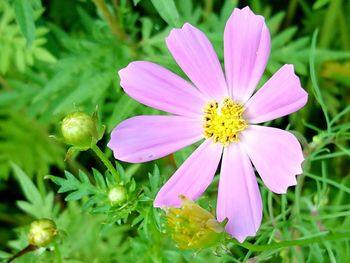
[[105, 161]]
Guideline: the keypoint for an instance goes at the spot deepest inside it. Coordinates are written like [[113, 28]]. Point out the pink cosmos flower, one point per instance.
[[222, 110]]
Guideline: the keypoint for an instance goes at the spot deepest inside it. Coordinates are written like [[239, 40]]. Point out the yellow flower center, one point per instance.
[[223, 121]]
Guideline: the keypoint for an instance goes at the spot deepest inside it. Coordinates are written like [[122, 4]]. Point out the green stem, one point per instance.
[[343, 28], [105, 161], [208, 7], [292, 7], [325, 236], [111, 20], [58, 254], [329, 24]]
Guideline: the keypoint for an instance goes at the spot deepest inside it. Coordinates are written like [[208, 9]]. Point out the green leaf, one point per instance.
[[83, 177], [78, 188], [316, 89], [17, 130], [44, 55], [168, 11], [38, 206], [319, 4], [28, 188], [154, 181], [28, 208], [25, 19], [283, 38], [77, 195], [92, 86], [100, 182], [4, 254]]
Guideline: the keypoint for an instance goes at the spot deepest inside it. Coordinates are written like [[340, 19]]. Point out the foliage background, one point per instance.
[[58, 56]]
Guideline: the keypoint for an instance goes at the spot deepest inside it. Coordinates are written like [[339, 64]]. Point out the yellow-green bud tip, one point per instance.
[[117, 195], [42, 232], [193, 227], [79, 129]]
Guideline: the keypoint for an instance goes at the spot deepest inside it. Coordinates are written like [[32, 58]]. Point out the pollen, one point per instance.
[[223, 121]]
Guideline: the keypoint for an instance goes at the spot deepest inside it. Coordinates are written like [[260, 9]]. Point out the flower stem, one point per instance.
[[323, 236], [105, 161], [27, 249]]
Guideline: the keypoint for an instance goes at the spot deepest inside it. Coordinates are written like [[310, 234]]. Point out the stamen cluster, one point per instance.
[[223, 121]]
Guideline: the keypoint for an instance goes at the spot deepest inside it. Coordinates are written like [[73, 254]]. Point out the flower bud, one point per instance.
[[79, 129], [42, 232], [193, 227], [117, 195]]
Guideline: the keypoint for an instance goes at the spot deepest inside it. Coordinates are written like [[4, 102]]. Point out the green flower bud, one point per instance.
[[117, 195], [79, 130], [42, 232], [193, 227]]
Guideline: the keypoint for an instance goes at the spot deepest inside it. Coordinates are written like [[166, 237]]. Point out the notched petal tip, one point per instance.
[[246, 50], [121, 72], [176, 31], [285, 189], [293, 179], [281, 95], [164, 202], [124, 74], [238, 236], [247, 11], [124, 70]]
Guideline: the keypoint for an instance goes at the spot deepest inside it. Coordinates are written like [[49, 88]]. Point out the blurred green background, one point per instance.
[[59, 56]]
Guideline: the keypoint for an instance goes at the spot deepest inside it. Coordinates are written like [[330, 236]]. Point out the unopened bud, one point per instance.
[[117, 195], [193, 227], [42, 232], [79, 129]]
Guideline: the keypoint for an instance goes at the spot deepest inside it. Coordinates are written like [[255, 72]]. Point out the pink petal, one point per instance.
[[196, 56], [159, 88], [145, 138], [281, 95], [247, 49], [276, 155], [193, 177], [239, 197]]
